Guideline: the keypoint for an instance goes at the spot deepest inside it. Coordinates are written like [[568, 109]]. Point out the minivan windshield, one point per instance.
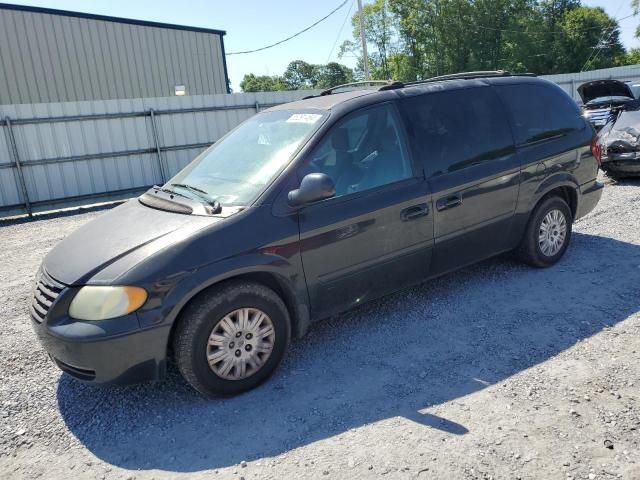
[[237, 168]]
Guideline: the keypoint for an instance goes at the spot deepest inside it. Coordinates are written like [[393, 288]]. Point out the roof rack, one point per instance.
[[382, 84], [393, 84], [471, 75]]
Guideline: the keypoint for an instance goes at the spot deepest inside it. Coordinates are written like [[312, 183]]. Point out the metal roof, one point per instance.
[[104, 18]]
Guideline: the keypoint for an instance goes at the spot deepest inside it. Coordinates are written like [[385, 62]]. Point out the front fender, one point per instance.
[[285, 271]]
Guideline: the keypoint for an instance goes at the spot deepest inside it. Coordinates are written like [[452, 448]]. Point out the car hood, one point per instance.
[[116, 235], [603, 88]]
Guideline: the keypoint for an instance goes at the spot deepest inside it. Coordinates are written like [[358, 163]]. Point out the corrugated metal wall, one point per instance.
[[58, 58], [79, 152], [571, 81]]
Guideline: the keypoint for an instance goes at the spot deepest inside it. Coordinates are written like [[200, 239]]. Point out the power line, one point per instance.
[[600, 45], [295, 34], [529, 32], [600, 40], [598, 48], [547, 32], [341, 28]]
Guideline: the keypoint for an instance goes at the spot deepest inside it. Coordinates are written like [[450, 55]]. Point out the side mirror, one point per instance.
[[313, 188]]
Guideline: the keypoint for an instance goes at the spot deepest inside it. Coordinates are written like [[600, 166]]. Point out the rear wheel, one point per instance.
[[548, 233], [231, 338]]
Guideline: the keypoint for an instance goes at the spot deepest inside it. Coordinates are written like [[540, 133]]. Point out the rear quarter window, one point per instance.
[[540, 111]]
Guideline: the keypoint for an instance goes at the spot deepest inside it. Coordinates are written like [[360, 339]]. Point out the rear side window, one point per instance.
[[456, 129], [540, 112]]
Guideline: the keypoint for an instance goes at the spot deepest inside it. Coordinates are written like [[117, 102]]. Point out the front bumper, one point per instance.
[[590, 194], [115, 351]]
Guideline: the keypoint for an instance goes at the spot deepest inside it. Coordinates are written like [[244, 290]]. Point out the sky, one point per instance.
[[255, 23]]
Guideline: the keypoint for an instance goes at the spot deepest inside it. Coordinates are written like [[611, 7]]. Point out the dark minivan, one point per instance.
[[308, 209]]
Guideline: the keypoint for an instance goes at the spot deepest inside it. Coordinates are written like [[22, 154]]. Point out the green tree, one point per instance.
[[588, 38], [301, 75], [401, 67], [262, 83], [333, 74], [635, 4], [632, 57], [497, 40], [381, 31], [414, 39]]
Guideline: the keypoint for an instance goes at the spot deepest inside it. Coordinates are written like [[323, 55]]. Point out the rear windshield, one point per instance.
[[237, 168]]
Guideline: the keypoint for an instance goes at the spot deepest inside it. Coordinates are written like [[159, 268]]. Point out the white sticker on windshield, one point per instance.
[[304, 118]]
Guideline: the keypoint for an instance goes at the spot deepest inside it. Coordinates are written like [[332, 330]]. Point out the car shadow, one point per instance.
[[633, 181], [392, 358]]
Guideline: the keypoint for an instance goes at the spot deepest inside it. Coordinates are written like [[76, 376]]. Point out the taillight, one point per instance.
[[596, 150]]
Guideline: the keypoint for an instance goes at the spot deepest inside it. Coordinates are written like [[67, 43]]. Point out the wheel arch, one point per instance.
[[298, 312], [564, 185]]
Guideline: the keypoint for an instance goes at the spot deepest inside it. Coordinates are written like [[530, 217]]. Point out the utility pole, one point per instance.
[[365, 56]]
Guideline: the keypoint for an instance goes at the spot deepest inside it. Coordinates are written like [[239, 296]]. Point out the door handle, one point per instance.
[[413, 212], [449, 202]]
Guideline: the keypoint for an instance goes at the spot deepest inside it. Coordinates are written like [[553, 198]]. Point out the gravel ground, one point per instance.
[[496, 371]]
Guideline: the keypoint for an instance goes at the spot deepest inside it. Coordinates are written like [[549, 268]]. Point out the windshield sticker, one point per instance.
[[304, 118]]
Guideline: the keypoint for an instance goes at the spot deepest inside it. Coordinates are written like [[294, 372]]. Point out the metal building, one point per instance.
[[571, 81], [51, 55]]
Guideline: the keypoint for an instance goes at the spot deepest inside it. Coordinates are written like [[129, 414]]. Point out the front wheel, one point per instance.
[[548, 233], [231, 338]]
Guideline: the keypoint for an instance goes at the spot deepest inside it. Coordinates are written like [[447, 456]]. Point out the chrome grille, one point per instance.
[[598, 116], [44, 294]]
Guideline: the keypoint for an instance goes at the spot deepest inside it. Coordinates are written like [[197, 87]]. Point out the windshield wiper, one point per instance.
[[208, 199], [169, 191], [189, 187]]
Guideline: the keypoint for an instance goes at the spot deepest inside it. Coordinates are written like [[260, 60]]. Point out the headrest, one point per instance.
[[340, 140]]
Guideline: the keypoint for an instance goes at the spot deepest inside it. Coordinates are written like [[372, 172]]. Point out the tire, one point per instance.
[[531, 249], [223, 309]]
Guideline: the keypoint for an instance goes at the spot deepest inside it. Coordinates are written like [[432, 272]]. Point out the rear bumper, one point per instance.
[[590, 194], [628, 163], [113, 351]]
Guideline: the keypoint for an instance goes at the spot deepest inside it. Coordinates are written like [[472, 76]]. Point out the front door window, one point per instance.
[[362, 152]]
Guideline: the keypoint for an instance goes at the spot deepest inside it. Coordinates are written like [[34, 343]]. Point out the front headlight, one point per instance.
[[102, 303]]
